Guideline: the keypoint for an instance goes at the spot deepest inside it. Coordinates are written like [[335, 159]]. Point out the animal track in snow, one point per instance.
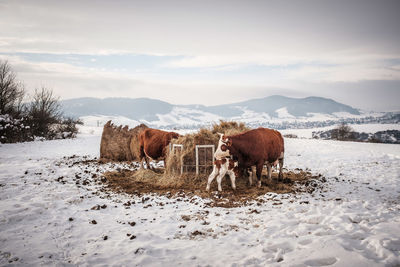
[[321, 261]]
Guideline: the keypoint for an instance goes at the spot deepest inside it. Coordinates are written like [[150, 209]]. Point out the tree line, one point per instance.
[[27, 118]]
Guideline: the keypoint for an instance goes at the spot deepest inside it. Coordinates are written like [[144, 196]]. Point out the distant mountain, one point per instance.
[[161, 113], [137, 108], [297, 107]]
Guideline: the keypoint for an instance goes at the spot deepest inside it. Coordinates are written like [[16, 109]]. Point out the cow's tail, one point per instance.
[[142, 155]]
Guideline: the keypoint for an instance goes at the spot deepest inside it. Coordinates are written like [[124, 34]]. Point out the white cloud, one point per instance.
[[344, 73], [285, 42], [276, 31]]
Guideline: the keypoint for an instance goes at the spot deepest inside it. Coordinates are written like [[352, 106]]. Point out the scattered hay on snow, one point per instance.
[[147, 182]]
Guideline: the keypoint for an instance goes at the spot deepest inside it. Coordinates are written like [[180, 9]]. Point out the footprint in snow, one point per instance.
[[393, 245], [305, 242], [321, 261]]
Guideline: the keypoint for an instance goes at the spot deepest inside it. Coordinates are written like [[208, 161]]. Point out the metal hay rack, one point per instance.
[[204, 158]]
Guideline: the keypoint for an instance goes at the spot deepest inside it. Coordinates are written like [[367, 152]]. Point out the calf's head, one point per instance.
[[222, 149]]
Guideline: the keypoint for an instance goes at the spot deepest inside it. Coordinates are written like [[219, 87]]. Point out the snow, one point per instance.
[[100, 120], [366, 128], [182, 116], [185, 116], [250, 116], [353, 221], [283, 113]]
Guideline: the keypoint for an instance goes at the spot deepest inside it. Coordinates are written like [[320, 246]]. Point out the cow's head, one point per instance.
[[226, 142], [173, 135], [222, 149]]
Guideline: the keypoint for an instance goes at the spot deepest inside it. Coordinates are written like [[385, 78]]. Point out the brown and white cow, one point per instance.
[[255, 147], [153, 143], [221, 167]]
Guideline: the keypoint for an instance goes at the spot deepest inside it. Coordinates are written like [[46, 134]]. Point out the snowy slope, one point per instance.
[[283, 113], [46, 218], [100, 120], [366, 128], [275, 109], [184, 116]]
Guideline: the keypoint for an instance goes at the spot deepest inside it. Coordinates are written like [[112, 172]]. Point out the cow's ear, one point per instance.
[[228, 142], [220, 134], [224, 138]]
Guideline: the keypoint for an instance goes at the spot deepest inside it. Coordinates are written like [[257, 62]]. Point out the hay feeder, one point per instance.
[[194, 153]]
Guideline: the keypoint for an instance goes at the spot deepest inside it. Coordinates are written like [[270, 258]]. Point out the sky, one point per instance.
[[207, 52]]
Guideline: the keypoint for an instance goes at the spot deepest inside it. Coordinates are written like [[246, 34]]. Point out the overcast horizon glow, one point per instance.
[[207, 52]]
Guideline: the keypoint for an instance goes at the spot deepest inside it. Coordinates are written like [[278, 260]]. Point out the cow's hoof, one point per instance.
[[207, 188], [259, 184]]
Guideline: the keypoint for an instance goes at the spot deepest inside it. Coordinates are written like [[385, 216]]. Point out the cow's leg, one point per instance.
[[269, 168], [280, 168], [143, 156], [221, 175], [214, 173], [219, 179], [250, 174], [148, 159], [259, 168], [148, 164], [233, 179]]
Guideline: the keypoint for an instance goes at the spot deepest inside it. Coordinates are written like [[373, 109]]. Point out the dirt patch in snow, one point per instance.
[[145, 181], [126, 178]]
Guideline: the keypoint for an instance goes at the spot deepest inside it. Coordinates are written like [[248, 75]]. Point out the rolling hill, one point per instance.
[[161, 113]]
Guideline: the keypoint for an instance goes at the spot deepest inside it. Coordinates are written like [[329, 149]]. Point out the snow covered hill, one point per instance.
[[273, 109], [52, 212]]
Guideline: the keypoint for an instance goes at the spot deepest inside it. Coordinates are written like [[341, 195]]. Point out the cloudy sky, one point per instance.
[[207, 52]]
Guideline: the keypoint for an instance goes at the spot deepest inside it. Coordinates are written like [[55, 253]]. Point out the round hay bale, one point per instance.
[[116, 142]]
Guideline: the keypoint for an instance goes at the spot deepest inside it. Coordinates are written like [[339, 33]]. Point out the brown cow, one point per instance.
[[254, 147], [152, 144]]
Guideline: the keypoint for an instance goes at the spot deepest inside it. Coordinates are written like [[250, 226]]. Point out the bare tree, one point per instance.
[[11, 92], [44, 110], [342, 132], [41, 117]]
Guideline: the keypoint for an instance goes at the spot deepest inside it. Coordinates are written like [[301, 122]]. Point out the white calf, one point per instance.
[[220, 168]]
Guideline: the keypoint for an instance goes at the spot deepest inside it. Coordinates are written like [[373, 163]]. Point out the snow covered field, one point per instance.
[[366, 128], [46, 215]]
